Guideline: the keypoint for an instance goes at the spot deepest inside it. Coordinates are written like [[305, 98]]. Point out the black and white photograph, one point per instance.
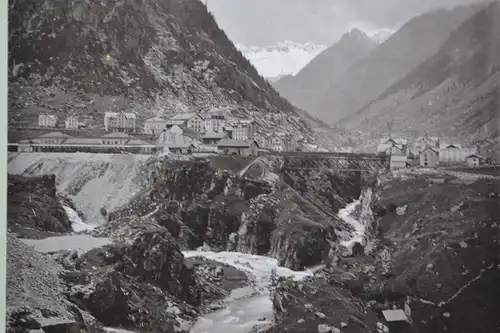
[[252, 166]]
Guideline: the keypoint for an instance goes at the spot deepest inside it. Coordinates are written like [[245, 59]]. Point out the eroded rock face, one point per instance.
[[144, 285], [202, 205], [155, 257], [33, 205]]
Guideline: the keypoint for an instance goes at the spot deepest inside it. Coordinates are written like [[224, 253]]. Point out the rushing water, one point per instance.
[[253, 307]]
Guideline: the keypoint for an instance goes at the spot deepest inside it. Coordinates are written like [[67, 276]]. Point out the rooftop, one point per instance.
[[83, 141], [214, 135], [117, 135], [394, 315], [180, 145], [184, 116], [55, 135], [155, 119], [52, 116], [115, 114], [235, 143]]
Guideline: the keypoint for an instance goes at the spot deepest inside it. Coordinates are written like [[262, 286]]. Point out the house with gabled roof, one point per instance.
[[238, 147], [47, 120], [154, 125], [474, 160], [71, 122], [192, 120], [120, 121], [213, 138], [429, 157], [52, 138]]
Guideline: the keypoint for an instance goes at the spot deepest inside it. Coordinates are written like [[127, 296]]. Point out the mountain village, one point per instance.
[[219, 132], [216, 131]]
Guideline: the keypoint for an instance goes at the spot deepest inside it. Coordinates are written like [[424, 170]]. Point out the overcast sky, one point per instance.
[[266, 22]]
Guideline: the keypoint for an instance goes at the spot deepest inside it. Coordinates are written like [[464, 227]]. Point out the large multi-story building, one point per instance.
[[71, 122], [191, 120], [154, 125], [47, 120], [214, 122], [119, 122]]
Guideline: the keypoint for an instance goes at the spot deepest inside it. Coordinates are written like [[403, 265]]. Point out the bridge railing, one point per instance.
[[328, 154]]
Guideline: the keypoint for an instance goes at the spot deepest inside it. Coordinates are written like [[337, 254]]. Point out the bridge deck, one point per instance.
[[333, 161], [328, 154]]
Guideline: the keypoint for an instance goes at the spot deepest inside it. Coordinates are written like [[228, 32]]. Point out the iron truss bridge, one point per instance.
[[333, 161]]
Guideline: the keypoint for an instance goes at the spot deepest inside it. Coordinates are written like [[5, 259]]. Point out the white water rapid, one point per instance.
[[246, 308]]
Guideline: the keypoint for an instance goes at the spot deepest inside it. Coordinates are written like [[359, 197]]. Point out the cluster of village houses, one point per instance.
[[182, 133], [218, 132], [428, 152]]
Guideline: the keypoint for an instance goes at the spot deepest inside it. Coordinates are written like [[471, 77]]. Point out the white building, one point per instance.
[[52, 138], [192, 120], [396, 146], [214, 122], [398, 162], [276, 141], [169, 135], [423, 142], [71, 122], [454, 153], [154, 125], [119, 121], [47, 120]]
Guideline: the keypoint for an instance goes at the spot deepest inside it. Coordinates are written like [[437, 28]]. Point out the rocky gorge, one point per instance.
[[219, 203], [306, 250]]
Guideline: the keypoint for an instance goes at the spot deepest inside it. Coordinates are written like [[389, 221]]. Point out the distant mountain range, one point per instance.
[[454, 93], [288, 58], [436, 74], [285, 58], [314, 80]]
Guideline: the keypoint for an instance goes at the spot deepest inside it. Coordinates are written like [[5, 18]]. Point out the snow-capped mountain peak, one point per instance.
[[284, 58], [382, 35]]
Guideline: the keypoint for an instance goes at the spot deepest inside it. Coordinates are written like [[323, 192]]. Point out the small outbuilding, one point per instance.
[[182, 148], [393, 321], [474, 160], [213, 138], [238, 147], [398, 162]]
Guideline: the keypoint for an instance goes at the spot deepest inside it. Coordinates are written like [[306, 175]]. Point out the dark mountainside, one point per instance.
[[163, 56], [454, 94], [369, 77], [304, 88], [434, 249]]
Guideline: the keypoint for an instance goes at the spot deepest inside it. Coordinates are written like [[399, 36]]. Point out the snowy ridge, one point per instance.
[[92, 181], [286, 58]]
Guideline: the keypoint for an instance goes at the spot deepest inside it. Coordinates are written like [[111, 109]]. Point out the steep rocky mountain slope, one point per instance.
[[414, 43], [149, 57], [310, 83], [455, 93]]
